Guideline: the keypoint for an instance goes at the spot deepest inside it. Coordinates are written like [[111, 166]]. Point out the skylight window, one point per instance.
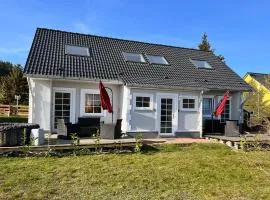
[[157, 60], [77, 50], [201, 64], [134, 57]]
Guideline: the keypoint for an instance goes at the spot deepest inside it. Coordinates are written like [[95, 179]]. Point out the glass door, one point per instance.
[[166, 115], [62, 106]]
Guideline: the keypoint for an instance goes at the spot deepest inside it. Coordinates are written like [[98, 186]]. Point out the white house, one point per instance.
[[158, 90]]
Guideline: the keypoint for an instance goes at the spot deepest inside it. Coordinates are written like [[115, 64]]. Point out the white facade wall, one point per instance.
[[146, 120], [79, 86], [41, 105], [40, 102], [125, 110]]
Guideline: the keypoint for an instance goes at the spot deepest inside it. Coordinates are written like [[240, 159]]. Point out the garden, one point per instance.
[[197, 171]]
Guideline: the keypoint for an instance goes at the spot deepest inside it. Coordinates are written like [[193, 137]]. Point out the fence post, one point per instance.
[[9, 110]]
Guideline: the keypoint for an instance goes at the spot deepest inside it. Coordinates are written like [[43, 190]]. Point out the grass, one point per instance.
[[200, 171]]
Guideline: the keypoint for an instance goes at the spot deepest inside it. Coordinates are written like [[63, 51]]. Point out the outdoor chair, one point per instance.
[[61, 129], [64, 130]]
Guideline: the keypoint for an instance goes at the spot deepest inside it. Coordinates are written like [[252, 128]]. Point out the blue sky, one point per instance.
[[239, 30]]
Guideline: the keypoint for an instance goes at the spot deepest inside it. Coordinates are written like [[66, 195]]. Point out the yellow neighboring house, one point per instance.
[[261, 84]]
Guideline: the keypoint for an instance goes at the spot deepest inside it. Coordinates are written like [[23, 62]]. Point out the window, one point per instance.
[[77, 50], [226, 114], [143, 101], [134, 57], [207, 106], [157, 60], [189, 104], [201, 64], [90, 103]]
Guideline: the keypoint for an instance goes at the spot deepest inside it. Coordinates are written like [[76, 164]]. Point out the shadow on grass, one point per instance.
[[147, 149], [156, 148]]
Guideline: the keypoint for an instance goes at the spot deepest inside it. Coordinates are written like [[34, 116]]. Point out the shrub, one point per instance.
[[13, 119]]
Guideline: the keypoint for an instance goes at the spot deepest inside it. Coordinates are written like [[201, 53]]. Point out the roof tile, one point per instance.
[[47, 59]]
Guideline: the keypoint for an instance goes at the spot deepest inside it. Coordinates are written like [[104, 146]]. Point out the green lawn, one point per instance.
[[202, 171]]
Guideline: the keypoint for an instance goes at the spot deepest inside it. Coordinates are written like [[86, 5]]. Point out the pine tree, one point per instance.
[[206, 46]]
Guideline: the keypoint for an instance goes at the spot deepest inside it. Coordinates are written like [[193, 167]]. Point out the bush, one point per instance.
[[13, 119]]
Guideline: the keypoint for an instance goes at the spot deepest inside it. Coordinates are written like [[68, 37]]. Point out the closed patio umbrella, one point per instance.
[[105, 99], [221, 104]]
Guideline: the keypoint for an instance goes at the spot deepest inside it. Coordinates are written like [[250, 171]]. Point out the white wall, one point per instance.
[[41, 100], [190, 120], [125, 109], [146, 119], [142, 120], [79, 85], [40, 103]]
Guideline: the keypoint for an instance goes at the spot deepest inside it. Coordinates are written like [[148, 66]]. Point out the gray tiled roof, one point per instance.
[[47, 59], [261, 78]]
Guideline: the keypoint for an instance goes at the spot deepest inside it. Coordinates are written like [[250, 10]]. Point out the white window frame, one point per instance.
[[82, 105], [72, 91], [76, 46], [135, 95], [162, 57], [193, 61], [139, 54], [175, 98], [189, 97]]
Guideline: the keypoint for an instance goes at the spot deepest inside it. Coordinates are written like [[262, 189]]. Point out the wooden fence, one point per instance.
[[11, 110]]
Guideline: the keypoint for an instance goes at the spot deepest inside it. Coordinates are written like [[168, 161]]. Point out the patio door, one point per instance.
[[167, 108], [63, 105]]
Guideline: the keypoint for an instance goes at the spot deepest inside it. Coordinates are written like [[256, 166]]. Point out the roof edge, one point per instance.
[[126, 40], [62, 78]]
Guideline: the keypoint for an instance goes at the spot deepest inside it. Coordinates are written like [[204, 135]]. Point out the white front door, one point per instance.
[[167, 114], [63, 105]]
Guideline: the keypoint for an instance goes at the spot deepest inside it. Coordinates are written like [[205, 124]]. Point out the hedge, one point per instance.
[[13, 119]]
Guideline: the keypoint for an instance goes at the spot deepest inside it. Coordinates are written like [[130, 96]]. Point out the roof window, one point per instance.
[[201, 64], [77, 50], [157, 60], [134, 57]]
